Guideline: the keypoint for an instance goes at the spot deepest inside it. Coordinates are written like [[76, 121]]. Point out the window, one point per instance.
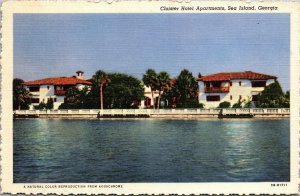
[[240, 83], [34, 88], [54, 99], [148, 102], [48, 87], [258, 83], [254, 97], [216, 84], [230, 83], [230, 97], [35, 100], [213, 98], [206, 84]]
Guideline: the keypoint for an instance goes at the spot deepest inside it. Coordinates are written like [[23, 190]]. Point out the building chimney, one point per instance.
[[80, 75]]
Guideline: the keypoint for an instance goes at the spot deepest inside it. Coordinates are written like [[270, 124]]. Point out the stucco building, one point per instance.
[[149, 101], [54, 88], [232, 87]]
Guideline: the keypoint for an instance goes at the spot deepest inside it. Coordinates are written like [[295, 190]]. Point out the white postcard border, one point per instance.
[[7, 185]]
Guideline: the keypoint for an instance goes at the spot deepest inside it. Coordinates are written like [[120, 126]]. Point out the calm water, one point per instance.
[[151, 150]]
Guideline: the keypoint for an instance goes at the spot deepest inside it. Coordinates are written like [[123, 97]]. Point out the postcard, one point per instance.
[[158, 97]]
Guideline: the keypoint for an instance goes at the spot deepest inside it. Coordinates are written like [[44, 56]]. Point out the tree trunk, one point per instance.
[[19, 106], [101, 96], [152, 93], [159, 96]]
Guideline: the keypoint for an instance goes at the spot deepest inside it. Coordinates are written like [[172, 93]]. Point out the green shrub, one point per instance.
[[43, 105], [247, 103], [224, 104], [49, 104], [237, 105], [201, 105], [190, 103]]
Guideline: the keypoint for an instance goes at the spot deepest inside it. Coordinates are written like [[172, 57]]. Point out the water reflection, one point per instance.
[[151, 150]]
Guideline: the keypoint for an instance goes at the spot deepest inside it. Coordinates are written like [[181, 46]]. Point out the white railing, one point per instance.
[[192, 111]]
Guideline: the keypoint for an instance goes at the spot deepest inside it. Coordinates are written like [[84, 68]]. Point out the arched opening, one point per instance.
[[147, 102]]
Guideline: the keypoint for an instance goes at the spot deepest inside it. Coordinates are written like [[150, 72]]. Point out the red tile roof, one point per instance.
[[226, 76], [58, 81]]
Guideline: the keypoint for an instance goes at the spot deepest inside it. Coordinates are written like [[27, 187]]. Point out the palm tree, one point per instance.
[[163, 82], [101, 79], [150, 80], [23, 96], [19, 89]]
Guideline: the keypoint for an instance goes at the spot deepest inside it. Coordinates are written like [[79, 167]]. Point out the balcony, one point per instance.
[[60, 92], [223, 89]]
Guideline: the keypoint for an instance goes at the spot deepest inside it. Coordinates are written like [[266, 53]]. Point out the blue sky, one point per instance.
[[47, 45]]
